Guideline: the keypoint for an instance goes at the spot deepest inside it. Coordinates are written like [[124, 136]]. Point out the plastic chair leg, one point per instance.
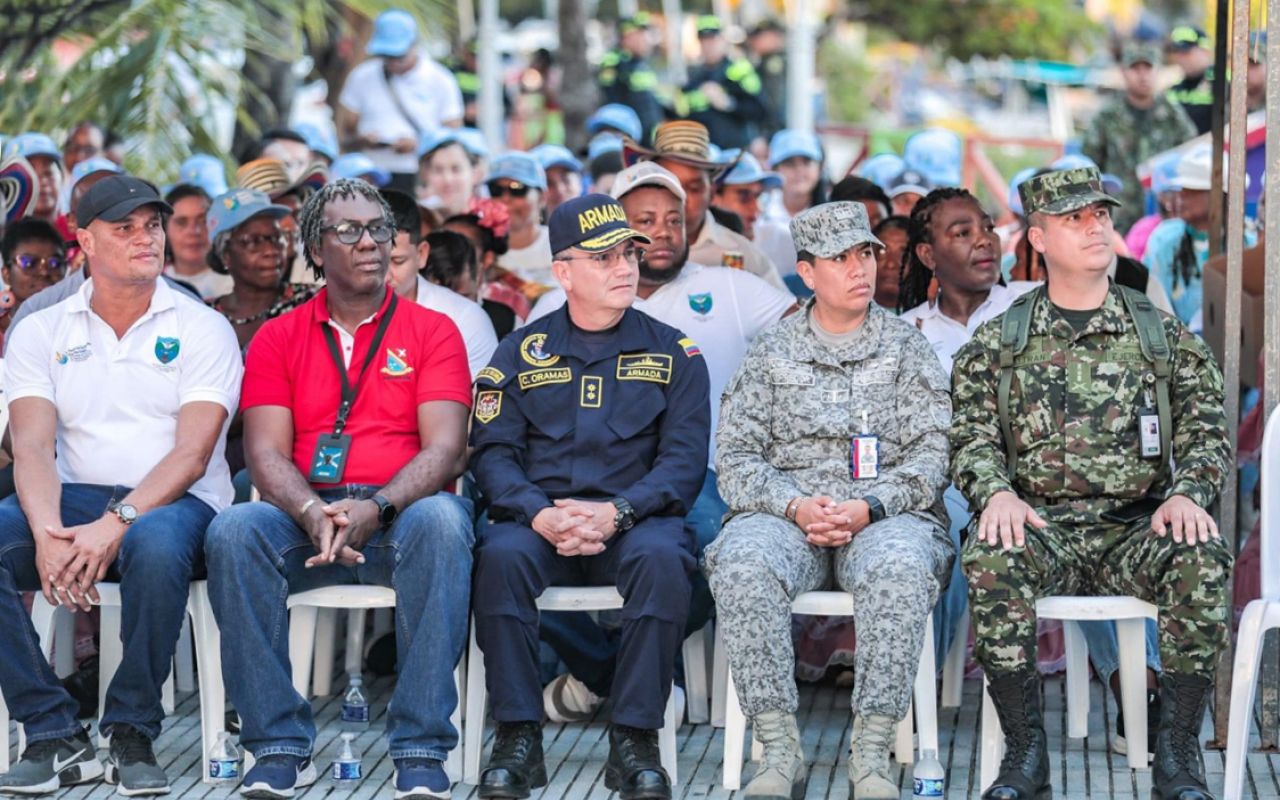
[[477, 697], [719, 678], [63, 642], [183, 665], [903, 746], [926, 694], [735, 729], [953, 668], [354, 661], [1132, 634], [1077, 680], [323, 651], [453, 762], [667, 738], [4, 737], [1258, 617], [303, 634], [992, 741], [110, 654], [695, 676], [208, 643]]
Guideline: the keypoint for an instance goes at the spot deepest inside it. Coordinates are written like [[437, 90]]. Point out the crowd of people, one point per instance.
[[707, 376]]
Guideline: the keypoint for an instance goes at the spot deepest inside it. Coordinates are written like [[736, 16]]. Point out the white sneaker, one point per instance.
[[567, 699]]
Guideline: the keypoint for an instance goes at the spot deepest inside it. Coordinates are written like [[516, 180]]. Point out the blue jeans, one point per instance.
[[1104, 648], [590, 652], [256, 557], [953, 602], [161, 553]]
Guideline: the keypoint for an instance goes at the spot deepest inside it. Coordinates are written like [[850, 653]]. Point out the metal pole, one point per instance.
[[675, 43], [1231, 325], [1219, 121], [490, 68], [466, 21], [801, 65]]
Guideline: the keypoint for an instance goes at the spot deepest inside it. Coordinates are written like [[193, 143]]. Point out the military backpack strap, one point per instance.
[[1015, 327], [1156, 350]]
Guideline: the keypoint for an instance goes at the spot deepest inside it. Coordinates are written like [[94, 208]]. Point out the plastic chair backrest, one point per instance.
[[1271, 508]]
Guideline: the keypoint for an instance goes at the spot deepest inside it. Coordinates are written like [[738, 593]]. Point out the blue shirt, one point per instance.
[[1162, 248]]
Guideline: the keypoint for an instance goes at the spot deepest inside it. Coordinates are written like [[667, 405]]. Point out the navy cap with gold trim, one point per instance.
[[593, 223]]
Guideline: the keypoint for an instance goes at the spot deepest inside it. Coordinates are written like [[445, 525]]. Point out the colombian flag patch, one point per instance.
[[690, 348]]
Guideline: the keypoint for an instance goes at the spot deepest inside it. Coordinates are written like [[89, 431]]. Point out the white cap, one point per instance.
[[645, 173]]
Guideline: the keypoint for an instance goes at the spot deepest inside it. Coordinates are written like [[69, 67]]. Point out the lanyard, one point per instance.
[[348, 391]]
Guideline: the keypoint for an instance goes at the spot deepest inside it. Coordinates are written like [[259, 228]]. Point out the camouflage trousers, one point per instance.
[[1186, 583], [894, 569]]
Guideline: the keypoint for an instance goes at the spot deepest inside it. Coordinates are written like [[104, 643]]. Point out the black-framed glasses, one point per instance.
[[606, 260], [256, 243], [31, 263], [352, 232], [517, 190]]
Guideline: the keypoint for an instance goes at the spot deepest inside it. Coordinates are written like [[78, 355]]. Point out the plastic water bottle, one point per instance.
[[224, 760], [346, 767], [929, 779], [355, 706]]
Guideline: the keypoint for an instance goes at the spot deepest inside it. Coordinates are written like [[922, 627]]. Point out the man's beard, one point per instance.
[[654, 277]]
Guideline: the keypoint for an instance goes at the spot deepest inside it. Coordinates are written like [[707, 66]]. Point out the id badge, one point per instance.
[[864, 458], [330, 459], [1149, 432]]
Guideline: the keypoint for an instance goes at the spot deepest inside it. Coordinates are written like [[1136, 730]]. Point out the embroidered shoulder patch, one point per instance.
[[488, 406], [491, 374], [655, 367]]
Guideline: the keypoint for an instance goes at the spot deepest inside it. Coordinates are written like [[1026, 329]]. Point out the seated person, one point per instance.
[[355, 416], [832, 455]]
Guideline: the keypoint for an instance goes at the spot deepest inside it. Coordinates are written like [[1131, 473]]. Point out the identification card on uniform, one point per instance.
[[330, 459], [1149, 431], [864, 455]]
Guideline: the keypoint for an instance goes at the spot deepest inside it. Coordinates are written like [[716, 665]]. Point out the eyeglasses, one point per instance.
[[606, 260], [518, 190], [31, 263], [258, 242], [380, 232]]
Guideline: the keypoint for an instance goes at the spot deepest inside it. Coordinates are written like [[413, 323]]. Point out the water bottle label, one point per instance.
[[355, 713], [928, 787], [346, 771], [224, 769]]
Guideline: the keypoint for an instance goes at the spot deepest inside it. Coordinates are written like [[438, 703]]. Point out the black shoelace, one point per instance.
[[514, 742], [638, 745], [131, 747]]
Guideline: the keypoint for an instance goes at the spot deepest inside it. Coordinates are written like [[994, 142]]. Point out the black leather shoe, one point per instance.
[[634, 769], [1178, 770], [1024, 772], [516, 766]]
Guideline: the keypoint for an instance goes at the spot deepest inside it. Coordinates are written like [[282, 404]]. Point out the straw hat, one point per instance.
[[270, 177], [683, 141]]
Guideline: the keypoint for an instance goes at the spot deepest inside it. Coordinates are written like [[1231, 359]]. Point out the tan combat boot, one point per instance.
[[781, 775], [869, 760]]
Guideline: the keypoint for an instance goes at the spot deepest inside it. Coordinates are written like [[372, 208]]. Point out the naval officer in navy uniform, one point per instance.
[[590, 441]]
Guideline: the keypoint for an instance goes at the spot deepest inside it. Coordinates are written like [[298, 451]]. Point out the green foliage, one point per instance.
[[845, 77]]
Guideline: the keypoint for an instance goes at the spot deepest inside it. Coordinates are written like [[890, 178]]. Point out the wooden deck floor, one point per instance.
[[1082, 768]]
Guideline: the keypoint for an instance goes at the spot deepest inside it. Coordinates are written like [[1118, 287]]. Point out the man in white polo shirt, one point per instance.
[[723, 310], [119, 400]]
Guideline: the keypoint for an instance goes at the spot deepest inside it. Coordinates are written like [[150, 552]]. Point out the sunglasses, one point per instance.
[[380, 232], [32, 263], [517, 190]]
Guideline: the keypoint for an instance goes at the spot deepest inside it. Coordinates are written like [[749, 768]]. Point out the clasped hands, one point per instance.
[[72, 560], [827, 523], [576, 527], [339, 530]]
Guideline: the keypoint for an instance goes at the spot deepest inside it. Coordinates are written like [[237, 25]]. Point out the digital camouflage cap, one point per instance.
[[1063, 191], [1140, 52], [832, 228]]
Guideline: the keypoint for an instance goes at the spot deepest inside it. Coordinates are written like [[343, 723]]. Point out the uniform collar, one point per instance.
[[805, 346], [320, 309], [1110, 318], [631, 337], [161, 298]]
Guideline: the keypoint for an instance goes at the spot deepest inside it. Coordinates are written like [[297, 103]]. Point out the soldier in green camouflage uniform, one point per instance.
[[807, 395], [1077, 393], [1134, 127]]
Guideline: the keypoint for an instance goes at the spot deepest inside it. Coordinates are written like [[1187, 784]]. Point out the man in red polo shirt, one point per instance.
[[355, 413]]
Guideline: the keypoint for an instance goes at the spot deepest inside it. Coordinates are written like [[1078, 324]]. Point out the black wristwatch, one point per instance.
[[877, 508], [387, 512], [625, 519]]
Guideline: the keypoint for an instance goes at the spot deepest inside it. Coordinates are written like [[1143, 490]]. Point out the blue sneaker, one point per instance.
[[275, 776], [418, 778]]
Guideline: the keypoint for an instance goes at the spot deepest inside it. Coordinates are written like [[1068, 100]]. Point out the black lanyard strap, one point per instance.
[[348, 391]]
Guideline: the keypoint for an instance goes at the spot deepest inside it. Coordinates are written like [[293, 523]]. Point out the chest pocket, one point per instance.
[[637, 413], [549, 409]]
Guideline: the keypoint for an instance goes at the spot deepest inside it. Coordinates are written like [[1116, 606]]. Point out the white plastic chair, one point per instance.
[[1259, 616], [1130, 616], [953, 667], [838, 604], [556, 598]]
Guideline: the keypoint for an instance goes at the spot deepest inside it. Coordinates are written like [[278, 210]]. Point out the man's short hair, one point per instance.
[[405, 213], [859, 190], [185, 190], [29, 229], [311, 219], [451, 255]]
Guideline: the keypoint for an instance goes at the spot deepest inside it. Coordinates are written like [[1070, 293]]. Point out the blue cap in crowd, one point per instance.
[[394, 33], [1019, 178], [618, 117], [473, 139], [603, 143], [593, 222], [321, 140], [470, 139], [554, 155], [938, 153], [790, 143], [358, 165], [92, 165], [33, 145], [882, 168], [522, 168], [206, 172], [748, 170], [234, 208]]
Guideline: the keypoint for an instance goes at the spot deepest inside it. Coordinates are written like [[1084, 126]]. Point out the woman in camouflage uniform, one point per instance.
[[832, 454]]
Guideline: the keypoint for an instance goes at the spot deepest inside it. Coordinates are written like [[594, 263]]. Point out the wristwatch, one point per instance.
[[124, 512], [877, 508], [625, 519], [387, 512]]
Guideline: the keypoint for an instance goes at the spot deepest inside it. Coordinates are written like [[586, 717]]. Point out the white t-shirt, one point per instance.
[[473, 323], [947, 335], [208, 283], [533, 263], [118, 400], [428, 91], [722, 310]]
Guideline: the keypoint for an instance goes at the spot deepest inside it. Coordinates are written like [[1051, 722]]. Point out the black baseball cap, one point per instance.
[[592, 222], [115, 198]]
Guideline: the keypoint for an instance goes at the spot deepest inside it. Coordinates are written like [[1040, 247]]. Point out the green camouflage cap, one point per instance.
[[1140, 52], [832, 228], [1063, 191]]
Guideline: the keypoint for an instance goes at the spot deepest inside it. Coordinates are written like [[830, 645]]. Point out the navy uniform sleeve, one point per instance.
[[498, 440], [684, 436]]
